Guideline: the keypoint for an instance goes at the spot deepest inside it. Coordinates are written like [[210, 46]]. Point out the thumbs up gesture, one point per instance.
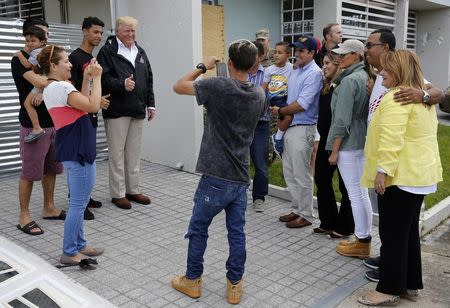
[[129, 83]]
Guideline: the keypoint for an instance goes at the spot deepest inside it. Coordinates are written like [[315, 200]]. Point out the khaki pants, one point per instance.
[[298, 144], [124, 136]]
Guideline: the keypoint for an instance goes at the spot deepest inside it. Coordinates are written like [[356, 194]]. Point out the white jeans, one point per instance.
[[351, 165]]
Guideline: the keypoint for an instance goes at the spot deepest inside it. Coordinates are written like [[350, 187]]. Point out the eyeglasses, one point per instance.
[[370, 44]]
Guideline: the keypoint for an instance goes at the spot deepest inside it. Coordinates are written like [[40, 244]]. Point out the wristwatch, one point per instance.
[[202, 67], [426, 98]]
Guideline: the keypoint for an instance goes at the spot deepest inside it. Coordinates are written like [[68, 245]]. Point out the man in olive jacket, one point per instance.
[[127, 77]]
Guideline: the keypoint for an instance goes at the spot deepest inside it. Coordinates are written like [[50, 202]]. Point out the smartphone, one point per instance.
[[221, 69]]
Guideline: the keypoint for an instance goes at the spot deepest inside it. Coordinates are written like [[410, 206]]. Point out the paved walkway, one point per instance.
[[145, 248]]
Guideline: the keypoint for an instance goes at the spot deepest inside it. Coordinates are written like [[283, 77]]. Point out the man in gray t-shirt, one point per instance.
[[234, 106]]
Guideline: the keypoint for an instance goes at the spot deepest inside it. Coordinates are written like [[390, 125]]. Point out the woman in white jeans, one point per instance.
[[349, 108]]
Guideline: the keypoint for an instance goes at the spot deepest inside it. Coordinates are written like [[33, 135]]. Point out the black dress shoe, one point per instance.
[[94, 204], [88, 215]]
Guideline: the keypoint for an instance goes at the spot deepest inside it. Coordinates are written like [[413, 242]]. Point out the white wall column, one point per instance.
[[433, 45], [325, 12], [170, 32], [401, 23]]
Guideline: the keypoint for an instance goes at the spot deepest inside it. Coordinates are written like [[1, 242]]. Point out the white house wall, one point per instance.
[[244, 17], [170, 32], [433, 45]]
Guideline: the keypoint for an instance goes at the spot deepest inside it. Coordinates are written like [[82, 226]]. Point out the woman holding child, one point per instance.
[[75, 141]]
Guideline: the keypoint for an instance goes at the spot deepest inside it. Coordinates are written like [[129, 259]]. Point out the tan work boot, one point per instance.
[[234, 292], [190, 287], [355, 247]]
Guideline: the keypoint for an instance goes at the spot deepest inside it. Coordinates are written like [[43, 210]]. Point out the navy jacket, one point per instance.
[[115, 70]]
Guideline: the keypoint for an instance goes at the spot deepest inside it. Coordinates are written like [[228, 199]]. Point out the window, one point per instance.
[[21, 8], [361, 17], [297, 19], [411, 35]]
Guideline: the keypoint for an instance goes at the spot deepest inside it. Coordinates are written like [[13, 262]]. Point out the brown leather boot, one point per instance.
[[190, 287], [234, 292], [355, 247]]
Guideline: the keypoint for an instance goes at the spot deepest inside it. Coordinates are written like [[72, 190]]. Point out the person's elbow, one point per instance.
[[183, 87], [177, 88]]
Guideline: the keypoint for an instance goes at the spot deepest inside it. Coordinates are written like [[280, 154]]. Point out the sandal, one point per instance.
[[411, 295], [83, 264], [385, 300], [61, 216], [29, 227], [334, 235]]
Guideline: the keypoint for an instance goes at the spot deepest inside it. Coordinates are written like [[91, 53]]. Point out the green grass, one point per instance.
[[276, 171]]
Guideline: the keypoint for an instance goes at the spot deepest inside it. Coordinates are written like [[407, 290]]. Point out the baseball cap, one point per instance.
[[350, 46], [262, 34], [305, 42]]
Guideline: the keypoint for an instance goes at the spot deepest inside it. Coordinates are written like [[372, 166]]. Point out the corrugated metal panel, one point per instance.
[[11, 40]]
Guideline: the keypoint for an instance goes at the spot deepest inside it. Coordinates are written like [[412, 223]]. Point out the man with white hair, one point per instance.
[[127, 77]]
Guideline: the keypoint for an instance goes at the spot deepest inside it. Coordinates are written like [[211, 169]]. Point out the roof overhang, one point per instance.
[[426, 5]]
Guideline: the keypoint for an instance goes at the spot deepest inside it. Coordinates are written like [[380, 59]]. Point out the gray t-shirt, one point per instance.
[[233, 110]]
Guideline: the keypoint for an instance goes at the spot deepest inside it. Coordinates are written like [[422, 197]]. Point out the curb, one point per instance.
[[429, 219]]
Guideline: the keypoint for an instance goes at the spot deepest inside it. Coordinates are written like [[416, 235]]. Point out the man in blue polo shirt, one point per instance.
[[304, 86]]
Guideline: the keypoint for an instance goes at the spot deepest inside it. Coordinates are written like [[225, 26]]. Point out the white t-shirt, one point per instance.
[[377, 94]]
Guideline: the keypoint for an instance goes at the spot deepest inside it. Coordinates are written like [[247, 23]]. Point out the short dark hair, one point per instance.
[[286, 46], [29, 22], [243, 54], [36, 32], [386, 37], [260, 47], [90, 21], [327, 29]]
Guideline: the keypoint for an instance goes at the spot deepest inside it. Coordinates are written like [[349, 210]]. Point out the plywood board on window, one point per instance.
[[213, 28]]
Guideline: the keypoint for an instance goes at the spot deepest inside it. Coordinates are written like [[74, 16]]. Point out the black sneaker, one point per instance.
[[373, 275], [372, 263], [94, 204], [88, 215]]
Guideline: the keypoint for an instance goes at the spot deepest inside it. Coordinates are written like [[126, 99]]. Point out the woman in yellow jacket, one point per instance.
[[403, 165]]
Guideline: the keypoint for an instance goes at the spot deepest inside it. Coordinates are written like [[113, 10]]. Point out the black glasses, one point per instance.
[[370, 44]]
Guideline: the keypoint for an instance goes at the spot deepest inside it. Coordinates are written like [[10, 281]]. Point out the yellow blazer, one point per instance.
[[402, 140]]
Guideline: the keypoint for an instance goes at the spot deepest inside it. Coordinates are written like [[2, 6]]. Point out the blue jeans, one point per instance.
[[212, 196], [80, 181], [259, 152]]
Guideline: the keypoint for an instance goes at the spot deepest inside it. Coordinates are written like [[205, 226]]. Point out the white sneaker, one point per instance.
[[259, 206]]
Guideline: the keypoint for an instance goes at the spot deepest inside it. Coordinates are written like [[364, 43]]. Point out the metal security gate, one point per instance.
[[11, 40]]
